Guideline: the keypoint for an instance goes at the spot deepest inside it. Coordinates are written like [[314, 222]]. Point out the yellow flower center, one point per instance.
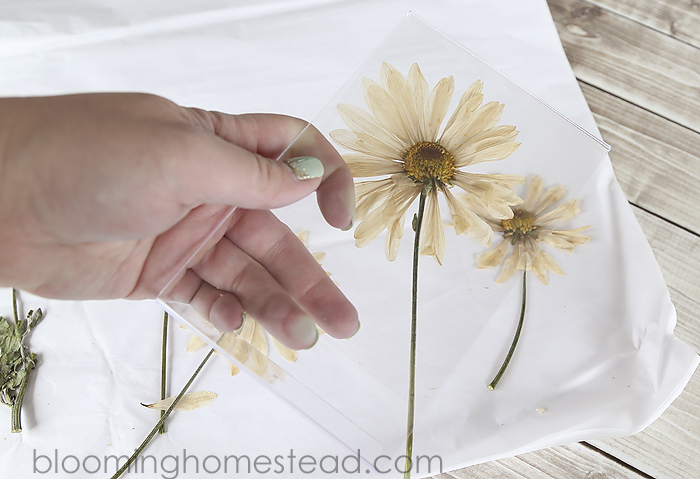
[[520, 225], [429, 162]]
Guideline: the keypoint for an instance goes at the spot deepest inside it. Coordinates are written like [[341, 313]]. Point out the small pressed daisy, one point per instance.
[[533, 223], [402, 140]]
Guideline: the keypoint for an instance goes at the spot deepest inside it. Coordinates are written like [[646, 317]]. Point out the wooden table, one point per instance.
[[638, 63]]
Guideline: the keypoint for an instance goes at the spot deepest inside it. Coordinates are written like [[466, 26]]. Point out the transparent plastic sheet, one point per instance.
[[357, 390]]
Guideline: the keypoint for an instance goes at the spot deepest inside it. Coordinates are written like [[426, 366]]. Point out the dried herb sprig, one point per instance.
[[16, 360]]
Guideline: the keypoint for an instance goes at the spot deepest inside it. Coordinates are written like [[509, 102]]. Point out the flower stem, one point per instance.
[[15, 413], [163, 364], [494, 383], [155, 429], [412, 360]]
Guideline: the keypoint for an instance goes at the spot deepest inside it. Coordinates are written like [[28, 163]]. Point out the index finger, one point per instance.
[[285, 137]]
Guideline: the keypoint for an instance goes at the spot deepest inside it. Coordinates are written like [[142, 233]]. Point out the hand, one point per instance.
[[107, 195]]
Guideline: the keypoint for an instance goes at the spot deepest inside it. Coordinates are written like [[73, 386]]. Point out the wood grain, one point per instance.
[[574, 461], [655, 160], [679, 19], [633, 62]]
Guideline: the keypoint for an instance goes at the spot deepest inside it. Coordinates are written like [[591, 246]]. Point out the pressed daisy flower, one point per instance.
[[402, 139], [530, 226]]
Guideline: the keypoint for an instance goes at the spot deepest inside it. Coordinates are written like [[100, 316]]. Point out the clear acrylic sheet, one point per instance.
[[561, 385]]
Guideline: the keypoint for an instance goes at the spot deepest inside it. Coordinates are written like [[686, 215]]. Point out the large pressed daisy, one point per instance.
[[531, 225], [401, 139]]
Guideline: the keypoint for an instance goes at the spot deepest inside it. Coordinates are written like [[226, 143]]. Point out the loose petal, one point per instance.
[[188, 402], [195, 343]]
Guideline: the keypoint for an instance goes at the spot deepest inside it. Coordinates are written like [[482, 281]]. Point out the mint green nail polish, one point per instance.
[[240, 328], [352, 223], [306, 167], [357, 331]]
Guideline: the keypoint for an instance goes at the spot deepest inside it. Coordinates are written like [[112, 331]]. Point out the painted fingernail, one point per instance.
[[352, 223], [240, 328], [357, 331], [303, 330], [305, 167]]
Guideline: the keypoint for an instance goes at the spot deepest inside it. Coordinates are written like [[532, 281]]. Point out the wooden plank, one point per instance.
[[656, 161], [574, 461], [679, 19], [668, 448], [631, 61]]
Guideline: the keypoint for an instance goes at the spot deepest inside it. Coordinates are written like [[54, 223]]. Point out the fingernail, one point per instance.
[[305, 167], [352, 223], [304, 331], [357, 331], [240, 328]]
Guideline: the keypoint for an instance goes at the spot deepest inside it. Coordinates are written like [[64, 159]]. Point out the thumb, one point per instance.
[[228, 174]]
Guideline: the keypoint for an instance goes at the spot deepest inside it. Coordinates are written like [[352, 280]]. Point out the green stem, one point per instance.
[[494, 383], [163, 364], [155, 429], [14, 305], [15, 414], [412, 360]]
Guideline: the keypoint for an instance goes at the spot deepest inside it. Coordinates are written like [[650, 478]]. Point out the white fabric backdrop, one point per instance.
[[100, 359]]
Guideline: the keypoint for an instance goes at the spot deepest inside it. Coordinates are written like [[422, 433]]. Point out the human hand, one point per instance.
[[104, 196]]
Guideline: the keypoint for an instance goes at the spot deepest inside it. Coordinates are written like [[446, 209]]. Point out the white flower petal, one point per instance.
[[368, 194], [470, 101], [403, 105], [467, 222], [549, 198], [510, 265], [360, 121], [363, 143], [382, 107], [492, 257], [439, 103], [563, 212], [419, 93], [432, 235], [362, 165], [393, 238], [534, 191]]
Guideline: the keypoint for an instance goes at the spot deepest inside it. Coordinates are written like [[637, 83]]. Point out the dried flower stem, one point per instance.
[[494, 383], [412, 361], [155, 429], [163, 364]]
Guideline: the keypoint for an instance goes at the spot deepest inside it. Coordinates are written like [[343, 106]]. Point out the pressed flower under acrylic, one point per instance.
[[402, 138]]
